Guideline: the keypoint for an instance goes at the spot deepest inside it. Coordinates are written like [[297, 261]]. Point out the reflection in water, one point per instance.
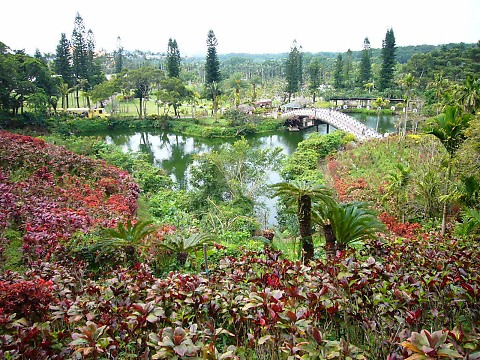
[[174, 153]]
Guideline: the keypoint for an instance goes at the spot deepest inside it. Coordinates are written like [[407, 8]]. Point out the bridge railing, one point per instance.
[[339, 120]]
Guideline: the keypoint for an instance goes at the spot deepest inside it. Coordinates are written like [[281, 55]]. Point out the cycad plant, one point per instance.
[[181, 246], [128, 237], [304, 196], [346, 223]]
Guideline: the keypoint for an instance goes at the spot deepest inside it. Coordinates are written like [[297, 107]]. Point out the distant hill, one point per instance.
[[403, 53]]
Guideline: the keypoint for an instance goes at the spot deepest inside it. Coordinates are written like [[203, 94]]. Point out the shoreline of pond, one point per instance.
[[199, 127]]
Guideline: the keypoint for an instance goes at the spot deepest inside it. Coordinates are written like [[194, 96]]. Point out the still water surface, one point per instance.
[[174, 153]]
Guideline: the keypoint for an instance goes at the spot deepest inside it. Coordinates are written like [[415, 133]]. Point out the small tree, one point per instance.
[[346, 223], [304, 196], [449, 128], [141, 82]]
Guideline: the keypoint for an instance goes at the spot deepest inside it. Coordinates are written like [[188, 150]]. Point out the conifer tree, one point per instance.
[[293, 70], [63, 61], [212, 65], [347, 68], [314, 73], [212, 68], [366, 63], [118, 56], [173, 59], [338, 74], [388, 64], [80, 50]]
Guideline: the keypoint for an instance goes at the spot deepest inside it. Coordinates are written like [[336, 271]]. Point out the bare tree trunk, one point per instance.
[[330, 241], [305, 226]]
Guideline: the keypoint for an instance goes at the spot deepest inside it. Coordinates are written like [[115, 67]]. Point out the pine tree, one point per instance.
[[173, 59], [293, 70], [314, 73], [118, 56], [347, 68], [212, 65], [212, 68], [388, 64], [80, 51], [366, 63], [338, 74], [63, 61]]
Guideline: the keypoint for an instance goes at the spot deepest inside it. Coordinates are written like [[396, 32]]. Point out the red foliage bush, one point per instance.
[[407, 230], [29, 299], [56, 193]]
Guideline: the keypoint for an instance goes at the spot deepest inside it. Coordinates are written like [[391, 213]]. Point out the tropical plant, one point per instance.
[[439, 85], [449, 128], [470, 226], [304, 196], [181, 247], [426, 345], [346, 223], [407, 82], [397, 188], [237, 83], [128, 237], [468, 94]]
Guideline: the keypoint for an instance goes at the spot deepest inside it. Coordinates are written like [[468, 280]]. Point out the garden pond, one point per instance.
[[174, 152]]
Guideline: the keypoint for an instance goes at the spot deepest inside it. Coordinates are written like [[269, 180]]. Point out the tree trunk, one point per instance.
[[78, 97], [305, 226], [445, 208], [330, 241]]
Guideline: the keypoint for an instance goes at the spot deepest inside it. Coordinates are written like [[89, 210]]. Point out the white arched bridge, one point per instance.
[[304, 118]]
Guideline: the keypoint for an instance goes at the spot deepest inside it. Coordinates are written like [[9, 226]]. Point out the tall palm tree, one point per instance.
[[449, 128], [440, 85], [304, 195], [408, 82], [236, 83], [469, 94], [254, 81], [65, 90], [346, 223]]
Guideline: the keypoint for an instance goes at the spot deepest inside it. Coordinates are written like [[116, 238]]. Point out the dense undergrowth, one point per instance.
[[409, 294]]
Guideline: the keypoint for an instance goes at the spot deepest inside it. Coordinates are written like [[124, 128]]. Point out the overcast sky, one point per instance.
[[245, 26]]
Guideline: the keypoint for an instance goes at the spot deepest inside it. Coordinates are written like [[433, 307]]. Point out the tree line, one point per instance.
[[45, 82]]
